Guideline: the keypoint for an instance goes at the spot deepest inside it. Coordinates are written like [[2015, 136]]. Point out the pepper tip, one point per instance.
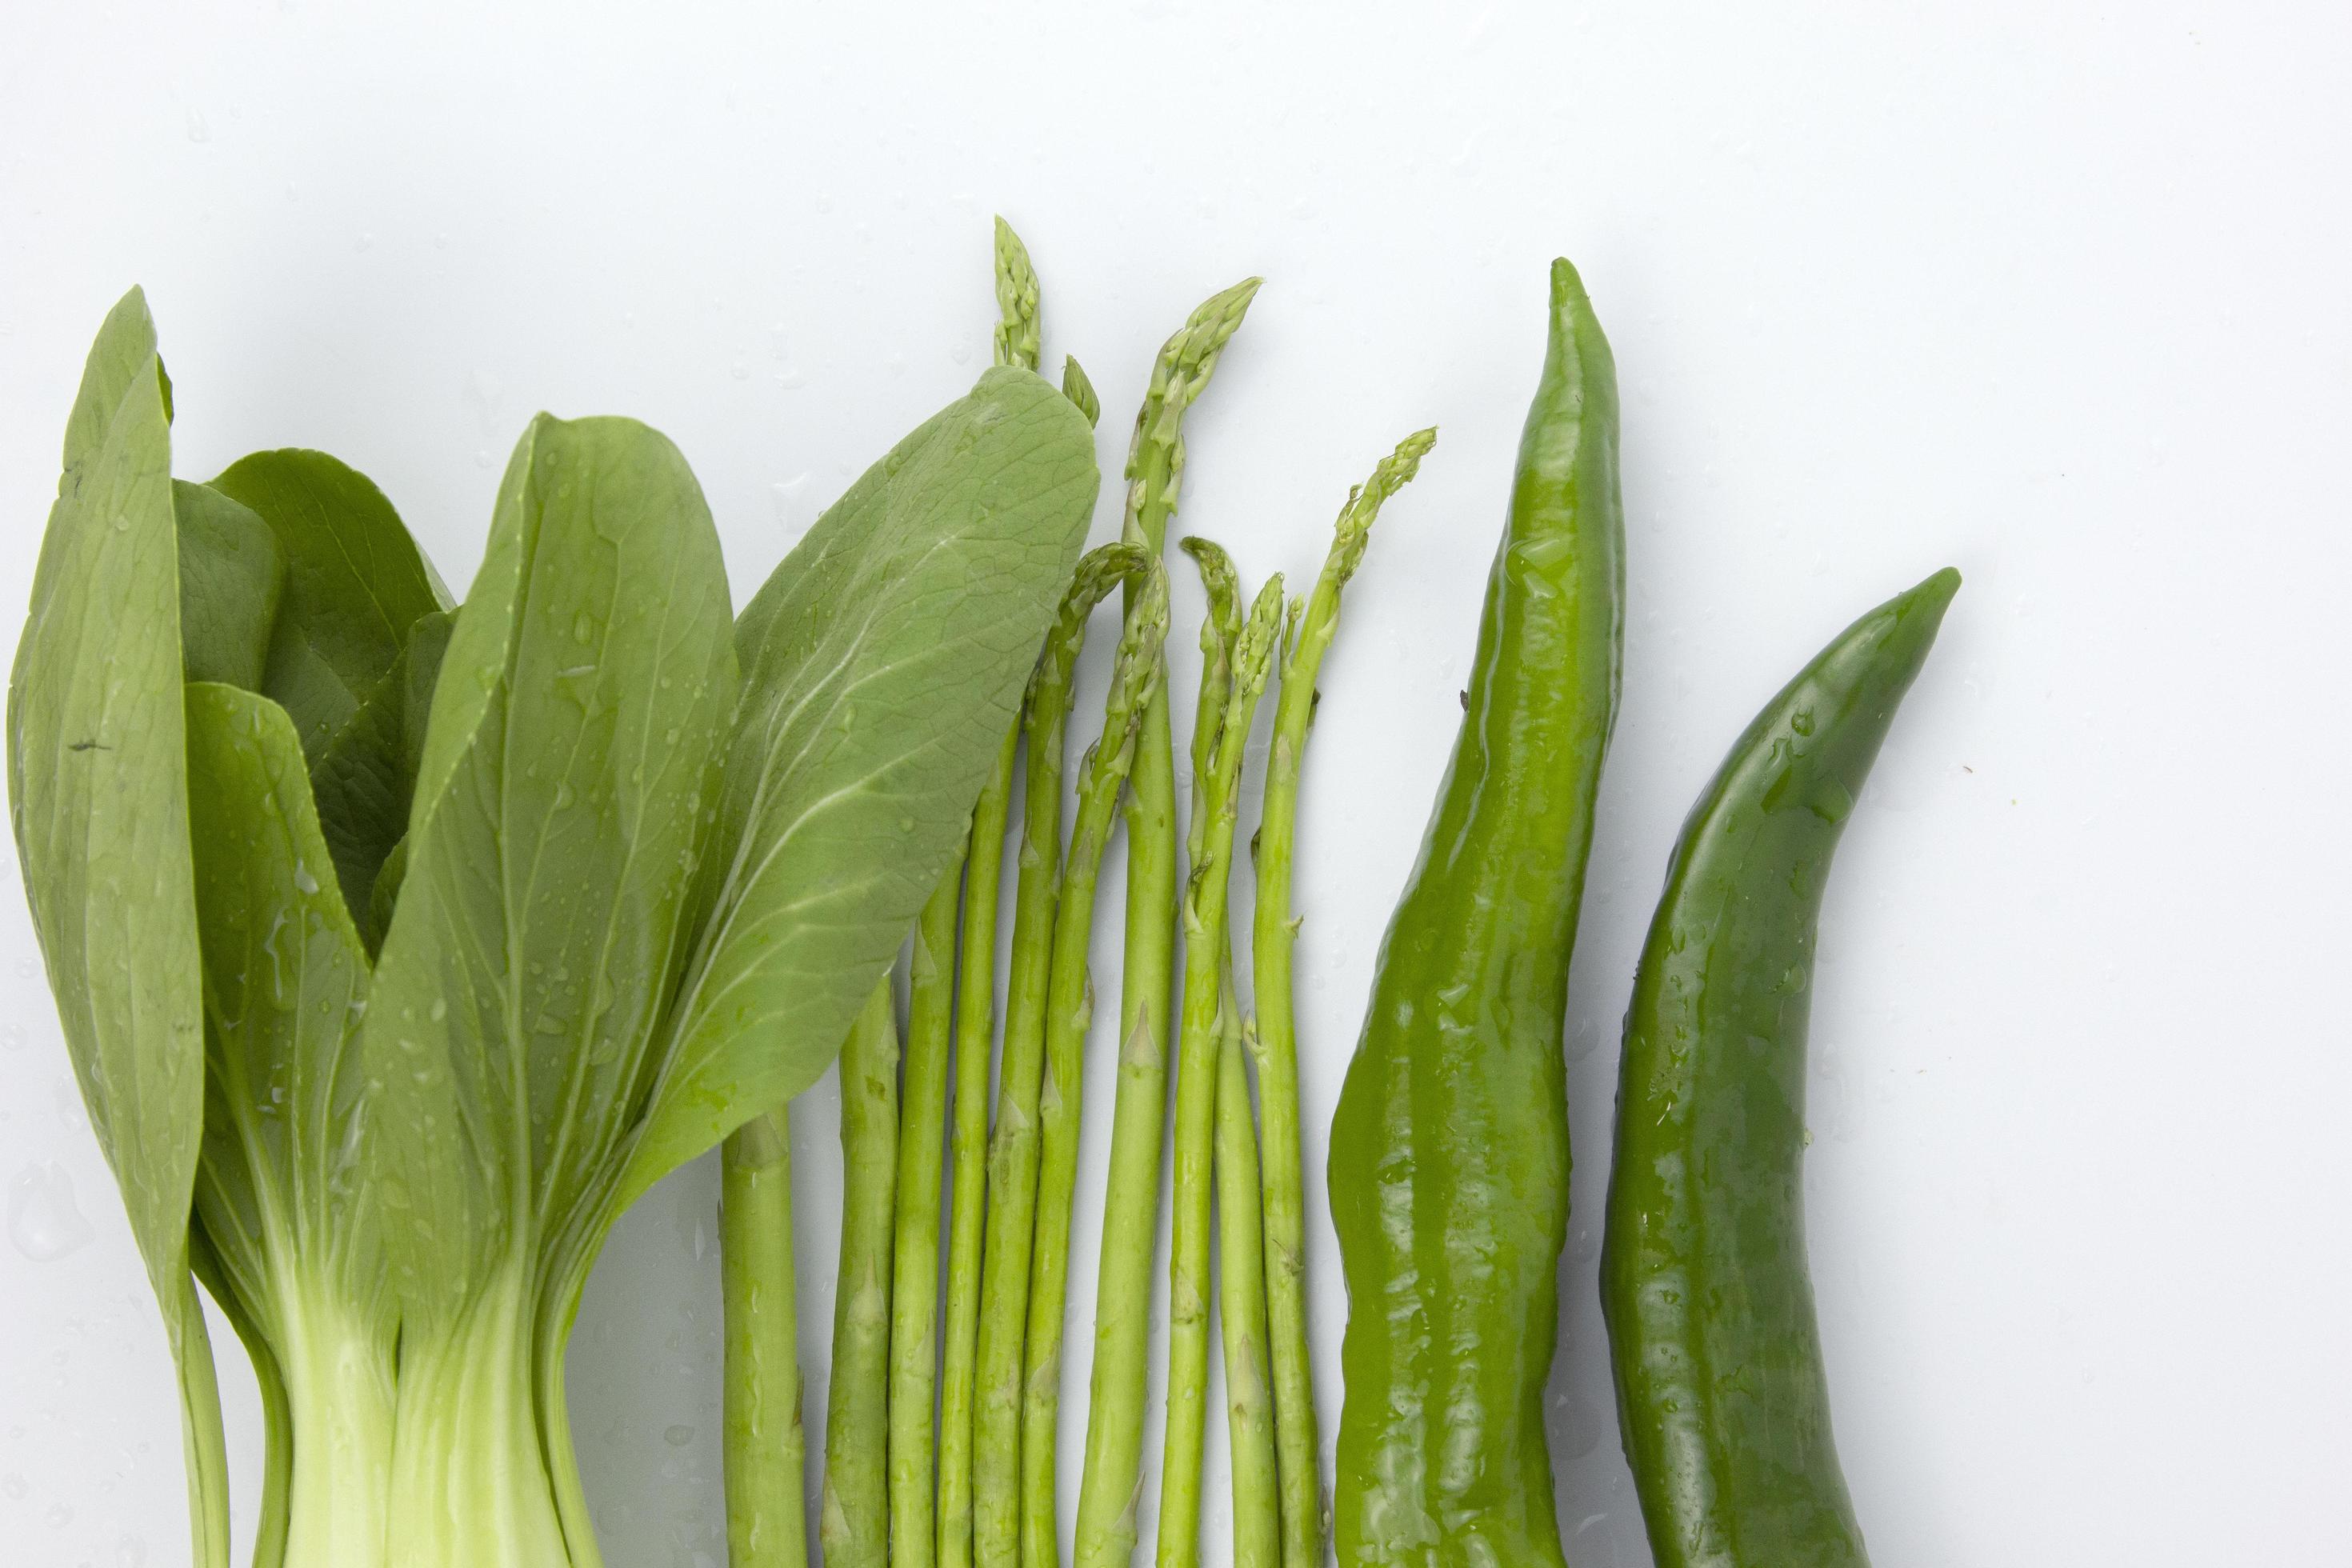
[[1567, 284]]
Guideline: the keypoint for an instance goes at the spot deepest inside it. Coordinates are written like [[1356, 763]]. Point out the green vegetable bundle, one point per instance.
[[943, 1423], [400, 944]]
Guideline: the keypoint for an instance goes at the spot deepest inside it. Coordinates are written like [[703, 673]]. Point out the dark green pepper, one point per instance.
[[1449, 1150], [1720, 1395]]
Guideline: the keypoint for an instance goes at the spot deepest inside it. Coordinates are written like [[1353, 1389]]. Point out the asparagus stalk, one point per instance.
[[1196, 1085], [1112, 1481], [975, 1029], [854, 1528], [1013, 1148], [1017, 343], [1240, 1306], [1069, 1011], [767, 1522], [1274, 1039], [1241, 1297], [914, 1264], [1221, 630]]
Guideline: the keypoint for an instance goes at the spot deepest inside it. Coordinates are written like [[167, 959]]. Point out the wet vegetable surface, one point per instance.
[[1449, 1150], [1721, 1395]]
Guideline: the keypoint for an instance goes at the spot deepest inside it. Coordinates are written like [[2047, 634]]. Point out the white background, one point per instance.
[[2056, 293]]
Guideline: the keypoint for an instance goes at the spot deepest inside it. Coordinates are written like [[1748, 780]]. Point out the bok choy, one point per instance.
[[400, 945]]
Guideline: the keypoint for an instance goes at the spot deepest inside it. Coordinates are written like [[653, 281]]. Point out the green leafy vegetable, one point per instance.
[[284, 1190], [232, 576], [98, 791], [883, 663], [355, 583], [365, 779], [633, 867]]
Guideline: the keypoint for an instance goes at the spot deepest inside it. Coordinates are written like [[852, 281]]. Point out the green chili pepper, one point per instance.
[[1449, 1152], [1720, 1394]]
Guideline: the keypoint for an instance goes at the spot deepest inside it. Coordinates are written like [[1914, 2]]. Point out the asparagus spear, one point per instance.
[[915, 1265], [1114, 1406], [1242, 1293], [975, 1027], [1019, 335], [1017, 343], [767, 1522], [1069, 1010], [1221, 630], [854, 1528], [1196, 1087], [1241, 1305], [1013, 1148], [1079, 389], [1275, 1037]]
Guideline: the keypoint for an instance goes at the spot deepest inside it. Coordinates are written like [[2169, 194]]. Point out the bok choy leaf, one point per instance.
[[401, 947]]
